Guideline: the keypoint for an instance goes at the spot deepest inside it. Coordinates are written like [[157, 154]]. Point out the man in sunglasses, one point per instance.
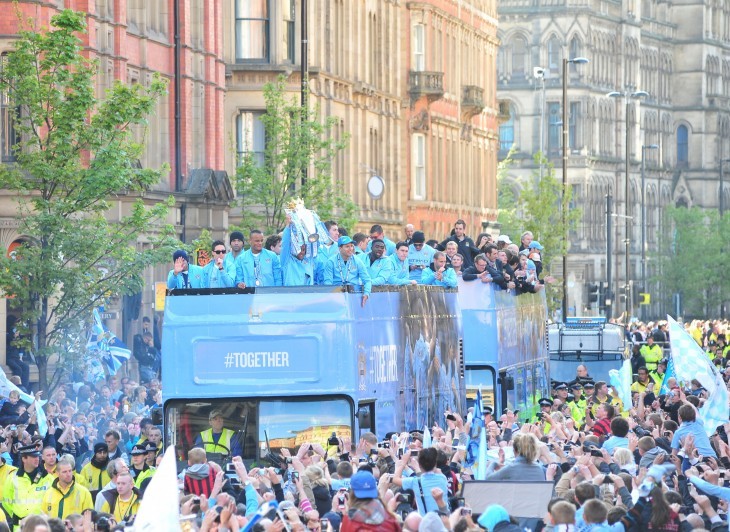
[[219, 273]]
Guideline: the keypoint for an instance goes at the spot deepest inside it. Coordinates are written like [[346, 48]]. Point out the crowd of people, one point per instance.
[[365, 260]]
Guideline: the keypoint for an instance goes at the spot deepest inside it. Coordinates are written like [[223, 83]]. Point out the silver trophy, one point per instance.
[[306, 229]]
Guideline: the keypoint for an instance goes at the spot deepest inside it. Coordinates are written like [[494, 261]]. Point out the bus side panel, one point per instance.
[[263, 343]]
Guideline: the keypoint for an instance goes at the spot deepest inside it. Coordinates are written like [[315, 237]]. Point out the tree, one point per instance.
[[541, 203], [296, 138], [75, 156], [691, 259]]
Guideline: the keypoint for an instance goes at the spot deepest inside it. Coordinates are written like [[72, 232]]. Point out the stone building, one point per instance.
[[132, 40], [678, 53], [399, 77]]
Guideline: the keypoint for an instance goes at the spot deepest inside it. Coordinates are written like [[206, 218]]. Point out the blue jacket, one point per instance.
[[295, 272], [266, 268], [354, 272], [215, 278], [449, 278], [380, 271], [196, 278], [400, 274]]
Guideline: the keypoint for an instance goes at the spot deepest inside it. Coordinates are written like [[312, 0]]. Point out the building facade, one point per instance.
[[670, 64], [388, 70], [133, 40]]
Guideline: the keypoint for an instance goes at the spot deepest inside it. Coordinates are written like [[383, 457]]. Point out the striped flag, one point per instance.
[[6, 387], [690, 362], [110, 349], [670, 373]]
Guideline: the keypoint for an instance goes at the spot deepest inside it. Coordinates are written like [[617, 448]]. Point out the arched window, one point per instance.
[[575, 50], [554, 54], [507, 131], [519, 55], [682, 146]]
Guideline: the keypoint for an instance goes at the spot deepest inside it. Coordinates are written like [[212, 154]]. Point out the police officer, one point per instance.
[[217, 439], [578, 405], [652, 353], [140, 471], [24, 490]]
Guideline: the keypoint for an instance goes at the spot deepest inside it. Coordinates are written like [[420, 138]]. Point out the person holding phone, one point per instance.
[[365, 510], [525, 466]]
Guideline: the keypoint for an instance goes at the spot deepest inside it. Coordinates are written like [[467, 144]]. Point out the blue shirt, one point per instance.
[[400, 274], [696, 429], [449, 278], [422, 258], [614, 442], [261, 270], [427, 482], [215, 278], [337, 272], [195, 278]]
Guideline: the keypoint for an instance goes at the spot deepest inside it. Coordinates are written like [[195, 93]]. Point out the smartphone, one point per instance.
[[466, 511], [400, 453], [414, 453], [597, 453], [451, 417], [295, 475], [230, 468], [324, 523], [262, 472], [460, 502], [566, 448]]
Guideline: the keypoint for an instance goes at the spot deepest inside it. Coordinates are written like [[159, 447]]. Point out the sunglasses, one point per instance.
[[219, 251]]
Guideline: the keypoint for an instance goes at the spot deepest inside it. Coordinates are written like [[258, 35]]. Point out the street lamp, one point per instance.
[[643, 221], [564, 208], [627, 96]]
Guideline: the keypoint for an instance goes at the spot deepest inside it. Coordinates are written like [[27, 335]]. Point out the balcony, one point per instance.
[[428, 84], [472, 100]]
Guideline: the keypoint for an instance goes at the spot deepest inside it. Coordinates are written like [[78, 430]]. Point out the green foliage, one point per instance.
[[538, 209], [691, 254], [295, 139], [75, 155]]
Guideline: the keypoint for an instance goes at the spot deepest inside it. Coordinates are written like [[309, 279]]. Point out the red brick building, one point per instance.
[[133, 40]]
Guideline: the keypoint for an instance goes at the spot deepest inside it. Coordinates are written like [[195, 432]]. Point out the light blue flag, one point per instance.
[[6, 387], [669, 374], [426, 438], [621, 381], [481, 473], [477, 421], [690, 362]]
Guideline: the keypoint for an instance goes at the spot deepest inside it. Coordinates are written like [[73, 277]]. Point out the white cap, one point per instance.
[[504, 238]]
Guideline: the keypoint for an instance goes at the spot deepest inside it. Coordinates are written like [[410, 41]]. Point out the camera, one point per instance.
[[373, 452], [333, 441], [384, 444], [597, 453], [195, 508]]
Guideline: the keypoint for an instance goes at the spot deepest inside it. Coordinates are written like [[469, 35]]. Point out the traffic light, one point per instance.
[[594, 291], [604, 299]]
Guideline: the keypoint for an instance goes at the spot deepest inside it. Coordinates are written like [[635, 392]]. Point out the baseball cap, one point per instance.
[[535, 245], [363, 485], [344, 240], [504, 238]]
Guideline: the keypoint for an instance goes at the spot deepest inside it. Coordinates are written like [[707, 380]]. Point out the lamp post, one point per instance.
[[304, 72], [564, 208], [627, 96], [643, 221]]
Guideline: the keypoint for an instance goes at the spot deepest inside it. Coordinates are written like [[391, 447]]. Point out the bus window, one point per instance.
[[485, 377], [286, 422]]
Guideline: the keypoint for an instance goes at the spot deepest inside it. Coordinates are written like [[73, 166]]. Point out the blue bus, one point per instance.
[[290, 365], [505, 347]]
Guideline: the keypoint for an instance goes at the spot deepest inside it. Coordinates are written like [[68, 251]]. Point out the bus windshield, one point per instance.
[[284, 423]]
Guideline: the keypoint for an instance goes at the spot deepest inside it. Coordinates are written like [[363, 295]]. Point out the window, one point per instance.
[[554, 55], [519, 55], [289, 44], [419, 166], [419, 47], [682, 146], [507, 131], [8, 135], [250, 136], [252, 30], [554, 123], [575, 51], [574, 122]]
